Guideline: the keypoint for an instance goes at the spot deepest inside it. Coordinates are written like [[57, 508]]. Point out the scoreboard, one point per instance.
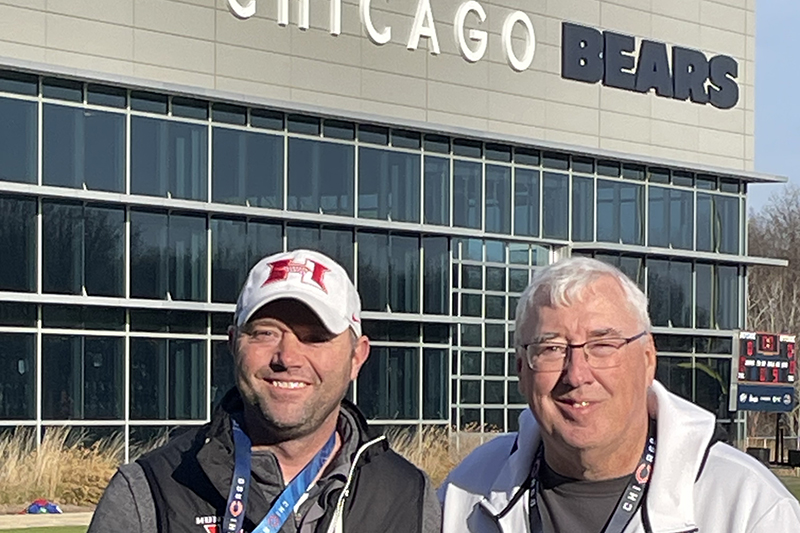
[[767, 371]]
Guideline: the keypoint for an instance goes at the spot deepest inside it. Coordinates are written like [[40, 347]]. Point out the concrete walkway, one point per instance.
[[20, 521]]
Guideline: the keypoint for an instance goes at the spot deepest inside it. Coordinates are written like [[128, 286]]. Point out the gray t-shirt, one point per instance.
[[574, 506]]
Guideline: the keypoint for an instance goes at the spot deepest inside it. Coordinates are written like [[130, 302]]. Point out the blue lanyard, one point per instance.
[[283, 506]]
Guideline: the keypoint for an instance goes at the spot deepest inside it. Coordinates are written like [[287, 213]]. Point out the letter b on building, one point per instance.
[[581, 53]]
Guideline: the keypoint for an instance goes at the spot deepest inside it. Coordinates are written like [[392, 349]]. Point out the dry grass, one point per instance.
[[61, 469], [435, 449]]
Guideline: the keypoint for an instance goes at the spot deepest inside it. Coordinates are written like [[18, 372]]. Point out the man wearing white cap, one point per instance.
[[284, 452]]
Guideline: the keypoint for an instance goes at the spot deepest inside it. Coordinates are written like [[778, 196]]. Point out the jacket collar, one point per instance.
[[684, 433]]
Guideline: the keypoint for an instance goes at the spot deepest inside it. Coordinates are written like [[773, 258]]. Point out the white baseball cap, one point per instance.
[[310, 277]]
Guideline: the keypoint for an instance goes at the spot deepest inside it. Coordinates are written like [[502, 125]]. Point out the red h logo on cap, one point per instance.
[[281, 269]]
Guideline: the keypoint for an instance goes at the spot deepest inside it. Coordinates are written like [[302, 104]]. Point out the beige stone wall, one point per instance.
[[199, 43]]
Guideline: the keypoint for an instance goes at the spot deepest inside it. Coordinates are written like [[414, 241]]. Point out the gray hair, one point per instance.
[[561, 284]]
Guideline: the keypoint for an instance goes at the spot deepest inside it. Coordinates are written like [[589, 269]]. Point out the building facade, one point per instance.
[[151, 151]]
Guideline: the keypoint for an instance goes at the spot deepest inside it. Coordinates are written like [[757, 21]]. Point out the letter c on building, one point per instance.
[[530, 45], [240, 11]]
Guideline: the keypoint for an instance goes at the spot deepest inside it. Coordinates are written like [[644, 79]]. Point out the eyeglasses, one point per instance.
[[600, 353]]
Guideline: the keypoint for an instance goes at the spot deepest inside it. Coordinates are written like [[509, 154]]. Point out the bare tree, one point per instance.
[[774, 292]]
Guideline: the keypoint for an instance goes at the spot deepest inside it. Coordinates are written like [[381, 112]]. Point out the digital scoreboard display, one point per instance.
[[767, 371]]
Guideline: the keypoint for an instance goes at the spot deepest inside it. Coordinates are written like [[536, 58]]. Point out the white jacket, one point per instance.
[[734, 493]]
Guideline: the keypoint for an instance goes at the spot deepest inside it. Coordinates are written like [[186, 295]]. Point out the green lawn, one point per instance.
[[793, 484], [66, 529]]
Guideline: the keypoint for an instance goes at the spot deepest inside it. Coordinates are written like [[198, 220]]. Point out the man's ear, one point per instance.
[[360, 355], [232, 340], [650, 359]]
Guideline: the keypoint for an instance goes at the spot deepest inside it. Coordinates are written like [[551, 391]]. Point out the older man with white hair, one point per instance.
[[604, 447]]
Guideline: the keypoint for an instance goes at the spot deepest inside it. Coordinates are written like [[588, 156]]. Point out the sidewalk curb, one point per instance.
[[24, 521]]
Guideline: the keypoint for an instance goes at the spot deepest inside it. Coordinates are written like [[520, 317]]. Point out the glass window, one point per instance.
[[494, 392], [373, 270], [83, 249], [435, 276], [18, 314], [266, 119], [247, 168], [619, 212], [149, 102], [106, 95], [470, 391], [675, 373], [712, 379], [404, 274], [526, 156], [83, 148], [471, 305], [555, 205], [222, 371], [168, 379], [727, 297], [19, 82], [321, 176], [18, 140], [333, 242], [498, 199], [187, 257], [434, 383], [582, 209], [169, 158], [17, 243], [169, 321], [83, 317], [82, 378], [168, 254], [658, 291], [189, 108], [467, 194], [17, 376], [388, 384], [671, 218], [388, 185], [670, 292], [555, 160], [437, 143], [526, 202], [232, 114], [705, 222], [367, 133], [62, 89], [703, 296], [633, 267], [338, 129], [236, 246], [727, 227], [437, 191]]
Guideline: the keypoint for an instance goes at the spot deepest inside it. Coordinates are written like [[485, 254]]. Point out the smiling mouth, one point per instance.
[[287, 384]]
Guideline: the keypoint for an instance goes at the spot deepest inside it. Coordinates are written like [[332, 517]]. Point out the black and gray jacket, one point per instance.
[[367, 488]]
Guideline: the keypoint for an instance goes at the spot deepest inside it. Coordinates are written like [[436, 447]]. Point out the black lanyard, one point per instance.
[[628, 503]]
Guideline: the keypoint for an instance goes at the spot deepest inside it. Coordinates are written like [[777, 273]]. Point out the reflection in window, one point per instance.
[[498, 199], [671, 218], [434, 384], [526, 202], [435, 277], [437, 191], [712, 379], [17, 243], [247, 168], [83, 249], [619, 212], [388, 384], [17, 376], [236, 246], [670, 292], [82, 378], [169, 158], [388, 281], [718, 223], [168, 379], [18, 140], [168, 256], [675, 373], [335, 243], [727, 297], [83, 148], [467, 194], [555, 206], [222, 372], [582, 209], [388, 185], [321, 177], [704, 284]]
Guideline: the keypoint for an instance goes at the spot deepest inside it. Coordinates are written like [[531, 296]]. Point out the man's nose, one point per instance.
[[576, 367], [289, 352]]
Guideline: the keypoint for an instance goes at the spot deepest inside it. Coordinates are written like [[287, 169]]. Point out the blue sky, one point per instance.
[[777, 96]]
